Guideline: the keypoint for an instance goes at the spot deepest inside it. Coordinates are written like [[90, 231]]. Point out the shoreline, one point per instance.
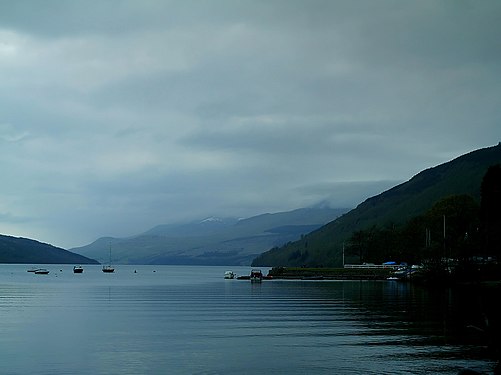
[[303, 273], [300, 273]]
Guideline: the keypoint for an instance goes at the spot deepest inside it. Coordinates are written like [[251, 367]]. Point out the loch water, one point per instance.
[[190, 320]]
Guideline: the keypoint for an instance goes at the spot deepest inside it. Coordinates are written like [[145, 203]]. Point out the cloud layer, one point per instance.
[[120, 115]]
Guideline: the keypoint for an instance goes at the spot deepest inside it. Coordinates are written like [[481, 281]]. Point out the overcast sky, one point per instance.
[[116, 116]]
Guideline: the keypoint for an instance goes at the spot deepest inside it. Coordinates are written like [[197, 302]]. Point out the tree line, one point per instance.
[[455, 228]]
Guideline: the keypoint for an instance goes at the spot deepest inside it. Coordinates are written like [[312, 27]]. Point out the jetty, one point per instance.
[[347, 273]]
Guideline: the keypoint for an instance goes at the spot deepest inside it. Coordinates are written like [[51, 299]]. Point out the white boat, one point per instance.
[[229, 275], [256, 276]]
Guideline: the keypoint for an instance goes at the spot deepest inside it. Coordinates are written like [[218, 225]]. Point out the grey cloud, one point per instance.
[[7, 217], [118, 115], [345, 194]]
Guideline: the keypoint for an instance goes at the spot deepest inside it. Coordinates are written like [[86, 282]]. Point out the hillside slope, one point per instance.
[[323, 247], [24, 250], [211, 241]]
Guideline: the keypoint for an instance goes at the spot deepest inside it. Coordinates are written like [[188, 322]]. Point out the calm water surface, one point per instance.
[[189, 320]]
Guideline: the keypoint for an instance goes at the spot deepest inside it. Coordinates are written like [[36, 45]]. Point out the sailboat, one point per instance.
[[109, 268]]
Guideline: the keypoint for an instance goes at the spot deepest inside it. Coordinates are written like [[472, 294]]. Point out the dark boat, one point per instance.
[[109, 268], [256, 276], [77, 269], [42, 271]]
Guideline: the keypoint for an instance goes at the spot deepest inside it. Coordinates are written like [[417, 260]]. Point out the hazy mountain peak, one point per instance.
[[212, 219]]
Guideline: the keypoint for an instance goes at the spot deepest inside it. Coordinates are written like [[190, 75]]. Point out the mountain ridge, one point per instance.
[[28, 251], [225, 241]]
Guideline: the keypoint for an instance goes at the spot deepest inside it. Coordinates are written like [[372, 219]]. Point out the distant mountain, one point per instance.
[[323, 247], [211, 241], [24, 250], [203, 227]]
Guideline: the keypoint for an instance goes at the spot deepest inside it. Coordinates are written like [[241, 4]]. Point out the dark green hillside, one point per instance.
[[24, 250], [323, 247]]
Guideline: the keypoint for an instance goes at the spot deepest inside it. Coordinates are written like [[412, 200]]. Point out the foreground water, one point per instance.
[[189, 320]]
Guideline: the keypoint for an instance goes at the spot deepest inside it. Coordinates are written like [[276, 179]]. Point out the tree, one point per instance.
[[454, 221], [413, 240], [357, 244], [490, 210]]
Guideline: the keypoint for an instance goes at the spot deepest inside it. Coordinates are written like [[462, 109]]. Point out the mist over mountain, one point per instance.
[[211, 241]]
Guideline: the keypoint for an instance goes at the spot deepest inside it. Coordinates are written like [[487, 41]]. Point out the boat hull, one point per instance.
[[108, 269]]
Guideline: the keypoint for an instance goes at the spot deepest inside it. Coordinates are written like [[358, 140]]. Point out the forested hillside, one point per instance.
[[390, 209], [24, 250]]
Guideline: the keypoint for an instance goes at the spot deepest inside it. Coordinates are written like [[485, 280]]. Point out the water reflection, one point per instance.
[[409, 322]]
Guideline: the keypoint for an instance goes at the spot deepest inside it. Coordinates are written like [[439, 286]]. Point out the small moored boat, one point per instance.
[[229, 275], [42, 271], [109, 268], [77, 269]]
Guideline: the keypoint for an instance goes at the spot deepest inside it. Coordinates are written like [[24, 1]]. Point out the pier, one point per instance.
[[346, 273]]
